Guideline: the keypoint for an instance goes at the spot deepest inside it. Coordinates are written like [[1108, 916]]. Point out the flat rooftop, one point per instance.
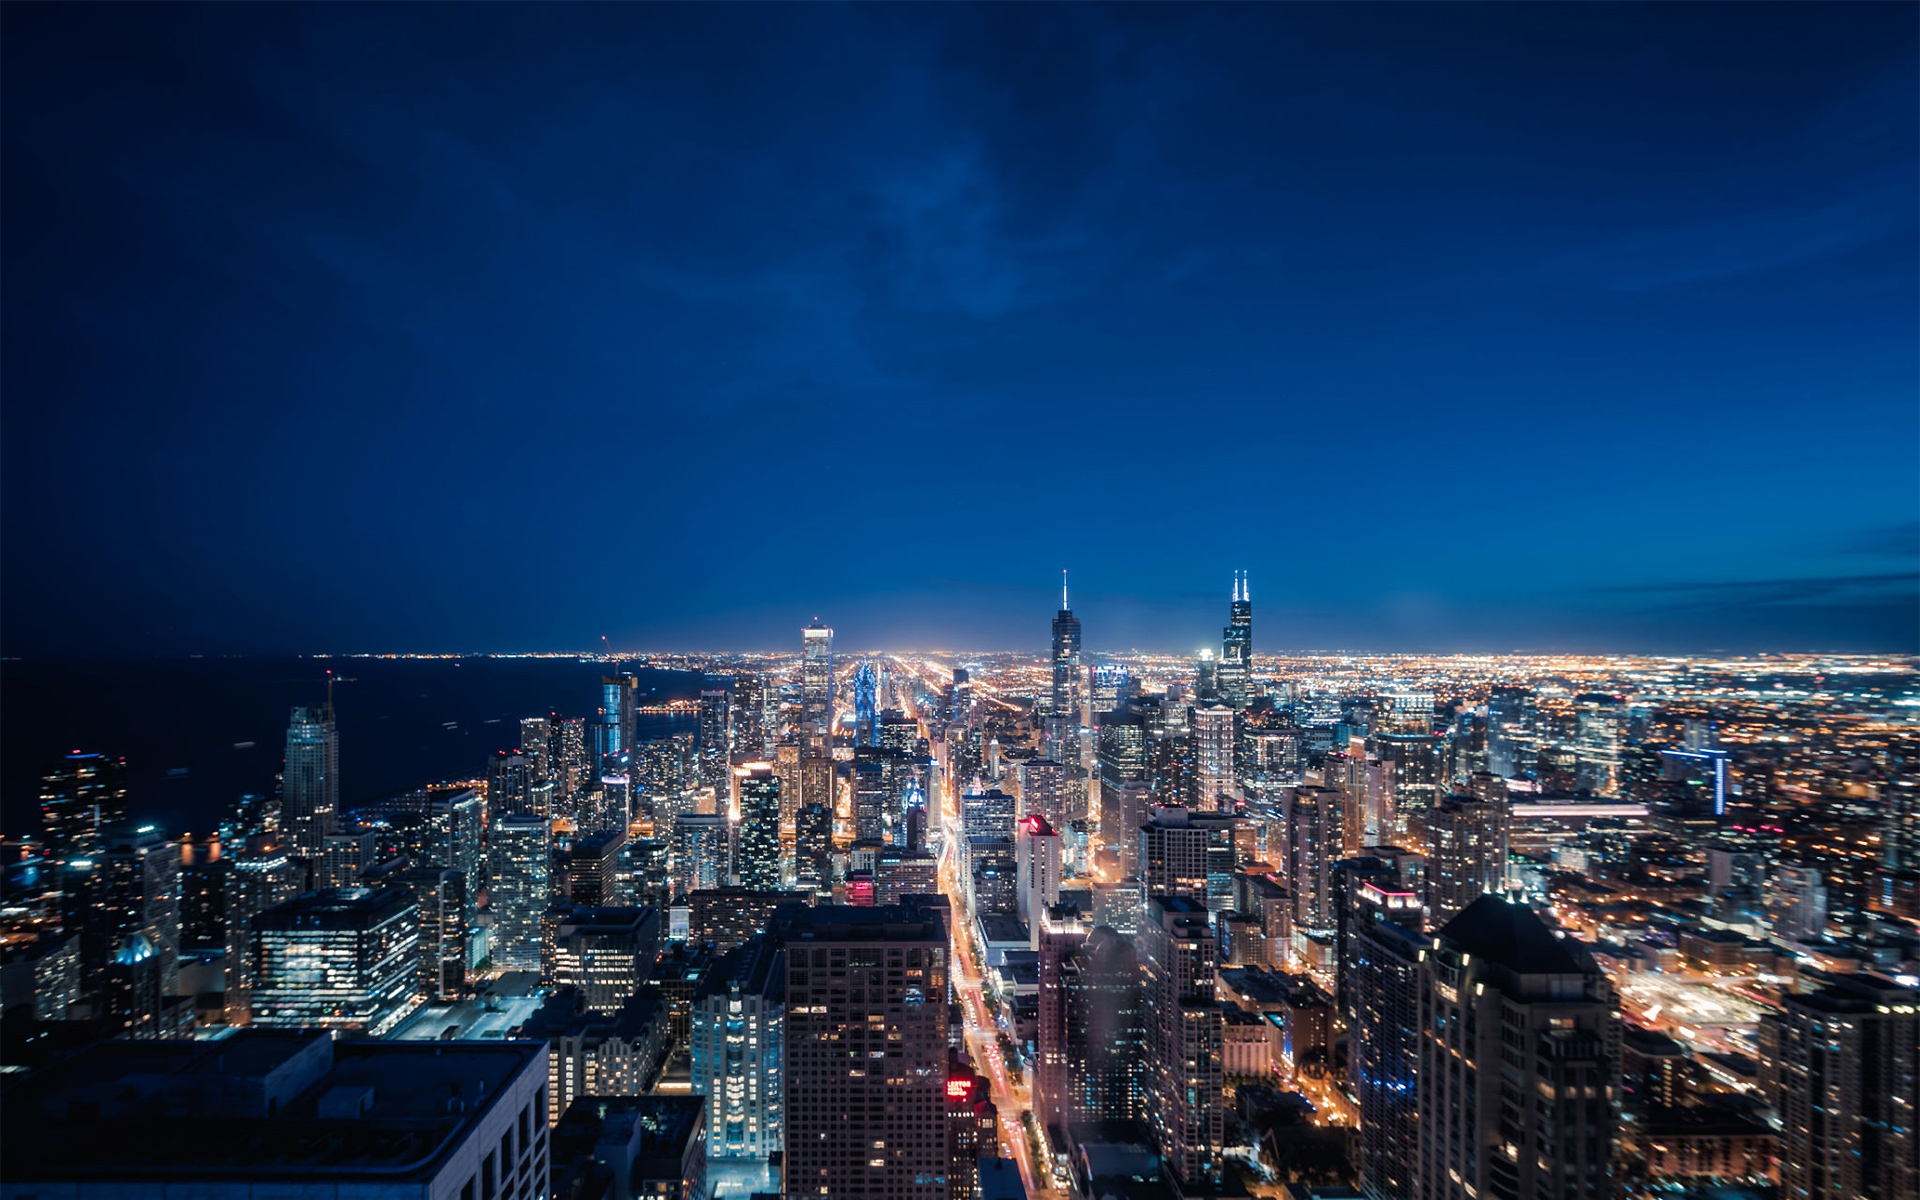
[[147, 1112]]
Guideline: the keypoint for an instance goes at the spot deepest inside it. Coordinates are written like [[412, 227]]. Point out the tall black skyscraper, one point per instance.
[[1235, 672], [1063, 723]]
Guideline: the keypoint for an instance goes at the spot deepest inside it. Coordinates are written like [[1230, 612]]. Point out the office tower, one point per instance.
[[865, 706], [1414, 760], [509, 779], [1383, 1046], [1601, 728], [1120, 757], [1058, 931], [536, 742], [1467, 841], [1314, 818], [738, 1049], [1846, 1083], [1206, 677], [345, 959], [310, 783], [991, 870], [716, 737], [240, 1117], [593, 867], [1043, 790], [1121, 815], [962, 713], [702, 853], [869, 800], [342, 857], [520, 861], [750, 715], [1064, 707], [605, 952], [1173, 854], [813, 848], [81, 796], [817, 783], [598, 1054], [866, 1051], [1409, 710], [816, 690], [1036, 848], [1502, 998], [42, 977], [987, 814], [1183, 1028], [1104, 1039], [1235, 674], [916, 822], [757, 852], [261, 876], [1215, 779], [203, 893], [724, 918], [899, 873], [1508, 732], [1112, 688], [973, 1128], [141, 894], [440, 894]]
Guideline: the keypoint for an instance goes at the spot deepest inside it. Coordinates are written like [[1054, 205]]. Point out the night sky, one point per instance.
[[490, 327]]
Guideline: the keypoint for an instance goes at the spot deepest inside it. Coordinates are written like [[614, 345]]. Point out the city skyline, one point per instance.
[[1578, 328]]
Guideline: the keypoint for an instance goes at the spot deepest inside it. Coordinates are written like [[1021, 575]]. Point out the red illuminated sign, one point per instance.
[[959, 1089]]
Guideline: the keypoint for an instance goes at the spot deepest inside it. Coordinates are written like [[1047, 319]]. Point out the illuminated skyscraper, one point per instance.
[[1502, 999], [1216, 783], [1234, 677], [1065, 707], [509, 784], [962, 697], [816, 690], [80, 797], [1043, 790], [1467, 843], [1847, 1083], [261, 875], [866, 1051], [520, 861], [738, 1047], [310, 785], [865, 706], [813, 848], [1509, 736], [141, 873], [345, 959], [750, 724], [1036, 846], [536, 742], [757, 850], [1384, 1044], [716, 737], [1183, 1033]]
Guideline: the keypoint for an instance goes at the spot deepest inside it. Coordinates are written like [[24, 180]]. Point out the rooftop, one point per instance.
[[1513, 937]]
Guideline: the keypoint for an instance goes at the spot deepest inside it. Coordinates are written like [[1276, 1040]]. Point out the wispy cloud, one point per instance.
[[1810, 589]]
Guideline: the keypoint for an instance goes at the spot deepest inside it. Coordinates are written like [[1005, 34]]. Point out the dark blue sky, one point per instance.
[[496, 327]]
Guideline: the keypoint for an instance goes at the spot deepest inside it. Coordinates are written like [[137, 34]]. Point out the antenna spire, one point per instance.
[[1246, 586], [1063, 589]]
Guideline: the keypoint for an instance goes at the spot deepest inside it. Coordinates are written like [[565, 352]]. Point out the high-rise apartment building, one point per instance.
[[343, 959], [1315, 822], [1383, 1040], [593, 868], [813, 848], [1519, 1070], [310, 782], [536, 742], [1216, 782], [716, 737], [520, 862], [816, 690], [81, 796], [866, 1051], [1234, 676], [756, 856], [1173, 854], [750, 724], [1847, 1086], [702, 852], [261, 875], [1183, 1024], [1467, 844], [738, 1050], [1036, 848], [1043, 790], [510, 780]]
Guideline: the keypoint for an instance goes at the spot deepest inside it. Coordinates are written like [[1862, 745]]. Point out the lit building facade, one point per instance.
[[343, 959]]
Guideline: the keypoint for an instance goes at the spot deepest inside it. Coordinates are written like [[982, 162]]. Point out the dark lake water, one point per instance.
[[198, 732]]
